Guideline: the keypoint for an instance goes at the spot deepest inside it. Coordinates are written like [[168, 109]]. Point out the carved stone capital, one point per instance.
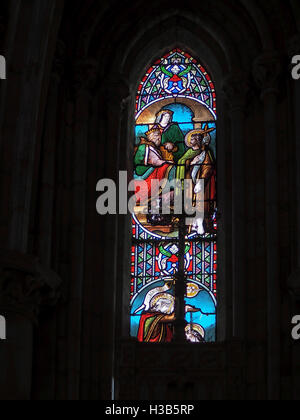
[[235, 90], [25, 286], [85, 75], [267, 70]]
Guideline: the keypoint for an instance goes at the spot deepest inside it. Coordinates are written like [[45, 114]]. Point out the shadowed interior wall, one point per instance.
[[67, 121]]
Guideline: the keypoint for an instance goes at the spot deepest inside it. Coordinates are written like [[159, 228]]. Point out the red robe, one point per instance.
[[160, 174], [164, 335]]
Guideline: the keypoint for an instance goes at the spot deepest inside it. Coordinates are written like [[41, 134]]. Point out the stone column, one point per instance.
[[25, 287], [27, 81], [85, 77], [235, 90], [48, 243], [294, 280], [294, 49], [266, 72], [48, 161], [116, 96]]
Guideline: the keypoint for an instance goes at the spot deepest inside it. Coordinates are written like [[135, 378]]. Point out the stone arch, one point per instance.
[[220, 57], [125, 47], [132, 76]]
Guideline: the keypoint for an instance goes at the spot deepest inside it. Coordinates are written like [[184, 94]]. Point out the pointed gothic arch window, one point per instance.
[[176, 132]]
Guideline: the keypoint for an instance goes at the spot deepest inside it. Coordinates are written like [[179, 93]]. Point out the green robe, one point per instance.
[[142, 172], [189, 155], [174, 135], [139, 161]]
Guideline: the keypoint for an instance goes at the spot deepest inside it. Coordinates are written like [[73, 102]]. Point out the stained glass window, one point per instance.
[[176, 117]]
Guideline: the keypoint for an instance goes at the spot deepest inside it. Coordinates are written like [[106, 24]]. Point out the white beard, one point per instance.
[[198, 226]]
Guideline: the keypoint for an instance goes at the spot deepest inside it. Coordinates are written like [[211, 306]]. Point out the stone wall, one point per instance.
[[66, 121]]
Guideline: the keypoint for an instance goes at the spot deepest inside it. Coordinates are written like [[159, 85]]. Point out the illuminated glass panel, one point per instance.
[[175, 139]]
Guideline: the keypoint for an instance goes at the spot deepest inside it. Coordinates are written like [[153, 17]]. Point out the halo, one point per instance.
[[189, 135], [195, 327], [167, 296], [195, 289]]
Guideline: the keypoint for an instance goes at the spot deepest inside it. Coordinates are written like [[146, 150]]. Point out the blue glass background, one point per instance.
[[183, 115], [202, 301]]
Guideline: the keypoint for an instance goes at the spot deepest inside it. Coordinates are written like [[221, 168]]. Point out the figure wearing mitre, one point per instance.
[[149, 162]]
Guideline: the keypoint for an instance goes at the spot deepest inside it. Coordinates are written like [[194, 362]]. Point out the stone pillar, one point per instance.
[[235, 90], [294, 288], [48, 243], [62, 222], [294, 280], [7, 33], [85, 77], [116, 96], [266, 72], [294, 49], [25, 287], [27, 81], [48, 162], [3, 27]]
